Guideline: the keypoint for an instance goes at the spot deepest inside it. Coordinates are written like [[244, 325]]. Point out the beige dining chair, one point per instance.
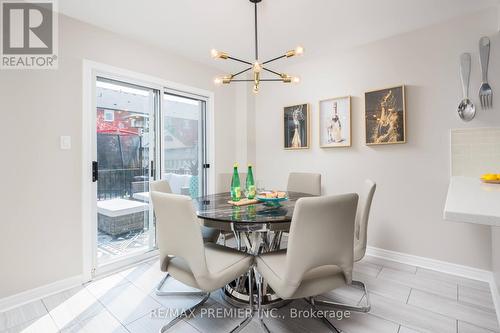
[[309, 183], [208, 234], [184, 255], [360, 242], [319, 257]]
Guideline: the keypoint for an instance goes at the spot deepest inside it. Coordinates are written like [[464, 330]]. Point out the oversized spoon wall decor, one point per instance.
[[466, 109]]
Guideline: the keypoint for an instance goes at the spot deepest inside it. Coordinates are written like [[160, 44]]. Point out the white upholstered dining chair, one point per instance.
[[208, 234], [309, 183], [184, 255], [360, 242], [319, 257]]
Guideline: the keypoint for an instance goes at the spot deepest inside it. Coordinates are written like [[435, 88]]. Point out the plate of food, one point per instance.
[[272, 198]]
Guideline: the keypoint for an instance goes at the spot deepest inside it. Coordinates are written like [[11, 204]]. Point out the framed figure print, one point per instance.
[[385, 116], [335, 122], [296, 126]]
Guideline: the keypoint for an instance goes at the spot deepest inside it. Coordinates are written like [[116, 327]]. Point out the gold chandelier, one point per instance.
[[256, 66]]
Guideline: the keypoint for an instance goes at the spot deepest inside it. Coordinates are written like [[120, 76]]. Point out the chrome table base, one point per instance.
[[255, 242]]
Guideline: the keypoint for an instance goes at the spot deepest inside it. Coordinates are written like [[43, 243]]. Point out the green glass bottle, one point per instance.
[[235, 184], [250, 184]]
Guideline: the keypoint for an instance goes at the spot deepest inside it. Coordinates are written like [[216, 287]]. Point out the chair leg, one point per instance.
[[355, 308], [159, 291], [184, 314], [250, 299], [258, 279], [325, 320]]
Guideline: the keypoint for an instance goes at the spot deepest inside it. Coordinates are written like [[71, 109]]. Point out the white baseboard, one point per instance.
[[437, 265], [39, 292]]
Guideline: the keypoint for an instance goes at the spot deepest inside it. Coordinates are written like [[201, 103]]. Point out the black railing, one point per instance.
[[121, 183]]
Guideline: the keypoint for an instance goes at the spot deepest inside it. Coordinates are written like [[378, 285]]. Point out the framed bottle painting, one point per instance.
[[296, 119], [385, 116], [335, 122]]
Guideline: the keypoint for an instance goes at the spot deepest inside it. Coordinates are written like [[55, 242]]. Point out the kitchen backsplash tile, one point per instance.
[[475, 151]]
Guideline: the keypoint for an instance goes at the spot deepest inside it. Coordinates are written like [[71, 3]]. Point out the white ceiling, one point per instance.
[[192, 27]]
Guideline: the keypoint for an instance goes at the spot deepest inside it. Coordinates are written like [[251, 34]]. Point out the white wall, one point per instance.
[[40, 197], [412, 178]]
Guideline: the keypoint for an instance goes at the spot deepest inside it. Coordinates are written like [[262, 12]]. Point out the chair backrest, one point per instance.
[[224, 181], [321, 234], [309, 183], [160, 186], [178, 232], [362, 216]]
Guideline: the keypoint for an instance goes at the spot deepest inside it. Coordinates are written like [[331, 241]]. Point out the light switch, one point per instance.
[[65, 142]]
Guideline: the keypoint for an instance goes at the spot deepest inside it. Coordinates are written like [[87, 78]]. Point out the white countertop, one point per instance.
[[470, 200]]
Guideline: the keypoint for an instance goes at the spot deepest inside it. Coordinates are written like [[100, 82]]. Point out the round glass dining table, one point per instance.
[[257, 228]]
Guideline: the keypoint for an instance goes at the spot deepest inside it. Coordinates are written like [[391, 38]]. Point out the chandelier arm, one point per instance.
[[261, 80], [241, 72], [239, 60], [274, 59], [271, 71]]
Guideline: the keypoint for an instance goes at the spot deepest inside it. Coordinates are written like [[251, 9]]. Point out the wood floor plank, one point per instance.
[[103, 322], [411, 316], [146, 324], [43, 324], [366, 323], [367, 268], [72, 306], [453, 309], [393, 290], [403, 329], [101, 287], [128, 303], [464, 327], [390, 264], [22, 314], [427, 273], [439, 287], [212, 319], [474, 296]]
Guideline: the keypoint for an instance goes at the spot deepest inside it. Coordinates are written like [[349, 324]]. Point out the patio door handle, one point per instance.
[[152, 172], [95, 171]]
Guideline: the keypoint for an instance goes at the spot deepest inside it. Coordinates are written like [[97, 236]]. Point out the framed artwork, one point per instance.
[[385, 116], [296, 120], [335, 122]]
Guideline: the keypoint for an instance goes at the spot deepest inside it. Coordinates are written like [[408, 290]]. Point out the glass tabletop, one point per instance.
[[216, 207]]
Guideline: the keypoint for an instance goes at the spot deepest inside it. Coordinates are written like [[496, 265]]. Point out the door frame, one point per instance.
[[91, 70]]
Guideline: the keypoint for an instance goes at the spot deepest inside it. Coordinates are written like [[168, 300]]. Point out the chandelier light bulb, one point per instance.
[[218, 54], [299, 50], [295, 79], [218, 80]]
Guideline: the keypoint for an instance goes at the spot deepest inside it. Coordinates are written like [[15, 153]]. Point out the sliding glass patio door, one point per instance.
[[140, 132], [183, 153], [125, 163]]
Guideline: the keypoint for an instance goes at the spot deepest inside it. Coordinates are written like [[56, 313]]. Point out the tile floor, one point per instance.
[[405, 299]]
